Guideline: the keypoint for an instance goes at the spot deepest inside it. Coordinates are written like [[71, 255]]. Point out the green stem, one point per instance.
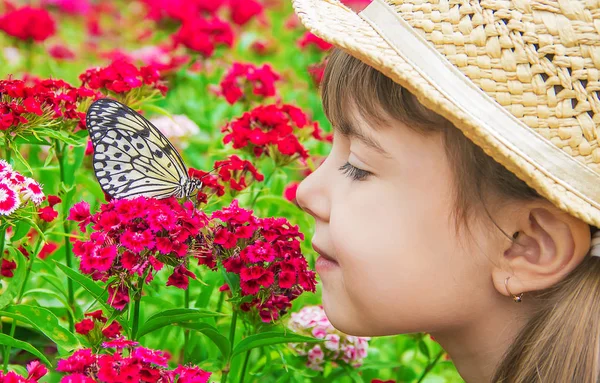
[[231, 341], [67, 243], [431, 365], [136, 316], [13, 325], [30, 261], [266, 183], [186, 332], [243, 373], [220, 302], [7, 143]]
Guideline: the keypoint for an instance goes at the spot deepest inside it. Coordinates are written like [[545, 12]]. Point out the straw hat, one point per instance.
[[519, 78]]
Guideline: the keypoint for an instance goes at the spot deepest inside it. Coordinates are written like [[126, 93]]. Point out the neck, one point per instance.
[[478, 347]]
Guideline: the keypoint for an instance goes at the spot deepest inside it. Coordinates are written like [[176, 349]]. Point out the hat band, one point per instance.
[[490, 116]]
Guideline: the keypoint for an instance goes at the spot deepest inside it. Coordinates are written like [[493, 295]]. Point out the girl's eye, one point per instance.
[[354, 172]]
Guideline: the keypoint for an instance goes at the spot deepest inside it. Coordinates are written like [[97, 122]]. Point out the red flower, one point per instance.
[[113, 330], [6, 270], [47, 249], [53, 200], [121, 76], [28, 23], [179, 278], [308, 39], [48, 214], [270, 264], [191, 375], [270, 129], [84, 327], [61, 52], [204, 35], [243, 11], [290, 191], [242, 78]]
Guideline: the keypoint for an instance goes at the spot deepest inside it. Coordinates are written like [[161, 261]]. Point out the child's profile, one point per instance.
[[461, 196]]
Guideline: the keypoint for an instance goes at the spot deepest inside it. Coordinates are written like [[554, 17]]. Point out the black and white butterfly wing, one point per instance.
[[131, 156]]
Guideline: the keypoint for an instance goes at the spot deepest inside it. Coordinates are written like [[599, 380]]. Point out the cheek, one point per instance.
[[399, 258]]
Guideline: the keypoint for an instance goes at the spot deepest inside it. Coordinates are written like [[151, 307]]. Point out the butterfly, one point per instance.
[[132, 157]]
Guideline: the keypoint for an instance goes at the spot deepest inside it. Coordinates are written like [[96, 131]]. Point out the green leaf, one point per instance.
[[45, 322], [18, 277], [30, 139], [99, 294], [70, 139], [174, 316], [211, 333], [10, 341], [424, 349], [351, 371], [270, 338], [54, 294], [158, 109]]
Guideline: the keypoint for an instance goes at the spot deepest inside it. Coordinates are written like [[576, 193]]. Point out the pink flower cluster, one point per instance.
[[274, 130], [38, 103], [35, 371], [265, 254], [337, 346], [235, 173], [28, 24], [16, 190], [248, 81], [133, 237], [121, 76], [139, 364]]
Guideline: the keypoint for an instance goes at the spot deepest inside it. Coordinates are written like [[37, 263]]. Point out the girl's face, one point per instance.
[[400, 268]]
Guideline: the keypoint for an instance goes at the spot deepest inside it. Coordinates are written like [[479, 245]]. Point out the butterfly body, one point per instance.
[[132, 157]]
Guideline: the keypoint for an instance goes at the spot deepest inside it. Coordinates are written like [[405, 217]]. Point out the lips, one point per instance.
[[322, 253]]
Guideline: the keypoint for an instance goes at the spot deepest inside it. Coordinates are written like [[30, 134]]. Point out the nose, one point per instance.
[[313, 194]]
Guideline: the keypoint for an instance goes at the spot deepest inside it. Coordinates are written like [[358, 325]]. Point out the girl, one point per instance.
[[464, 178]]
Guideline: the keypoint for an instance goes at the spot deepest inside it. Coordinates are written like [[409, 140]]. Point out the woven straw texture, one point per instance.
[[537, 59]]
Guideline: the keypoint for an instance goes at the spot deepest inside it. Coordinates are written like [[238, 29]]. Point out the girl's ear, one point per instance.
[[548, 244]]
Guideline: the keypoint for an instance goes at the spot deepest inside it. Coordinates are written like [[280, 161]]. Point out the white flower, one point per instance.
[[176, 127]]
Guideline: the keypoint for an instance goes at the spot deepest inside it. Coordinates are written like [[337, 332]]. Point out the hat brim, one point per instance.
[[413, 63]]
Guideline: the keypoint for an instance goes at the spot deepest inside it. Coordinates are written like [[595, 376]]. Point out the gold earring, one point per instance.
[[516, 298]]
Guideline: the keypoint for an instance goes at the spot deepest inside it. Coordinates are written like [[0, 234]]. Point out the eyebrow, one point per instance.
[[349, 129]]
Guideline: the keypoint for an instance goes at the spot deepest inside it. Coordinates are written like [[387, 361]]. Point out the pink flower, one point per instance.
[[77, 378], [137, 241], [9, 199], [118, 297], [28, 23], [150, 356], [242, 11], [36, 370], [191, 375], [31, 190], [76, 362], [61, 52], [80, 212]]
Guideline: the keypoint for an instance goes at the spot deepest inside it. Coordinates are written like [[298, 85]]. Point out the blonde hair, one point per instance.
[[560, 342]]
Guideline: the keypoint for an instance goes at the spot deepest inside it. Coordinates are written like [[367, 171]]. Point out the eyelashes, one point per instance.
[[353, 172]]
